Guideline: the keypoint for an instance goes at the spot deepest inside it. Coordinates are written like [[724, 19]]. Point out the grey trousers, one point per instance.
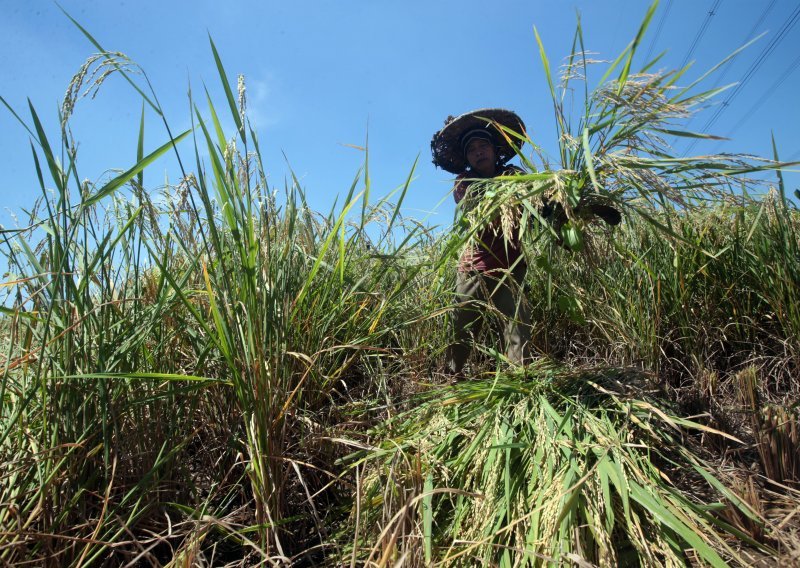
[[478, 293]]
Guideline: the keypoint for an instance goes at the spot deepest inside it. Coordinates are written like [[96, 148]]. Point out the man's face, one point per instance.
[[482, 157]]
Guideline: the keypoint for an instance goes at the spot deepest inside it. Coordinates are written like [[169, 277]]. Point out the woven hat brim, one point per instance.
[[446, 143]]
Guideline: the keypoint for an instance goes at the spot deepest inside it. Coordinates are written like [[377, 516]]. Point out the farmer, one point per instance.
[[491, 271]]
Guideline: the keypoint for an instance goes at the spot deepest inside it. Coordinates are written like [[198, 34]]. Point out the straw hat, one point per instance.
[[446, 144]]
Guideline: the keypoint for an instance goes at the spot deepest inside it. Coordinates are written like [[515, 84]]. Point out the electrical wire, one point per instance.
[[790, 22], [700, 33], [750, 35], [787, 26], [664, 15], [767, 94], [727, 66]]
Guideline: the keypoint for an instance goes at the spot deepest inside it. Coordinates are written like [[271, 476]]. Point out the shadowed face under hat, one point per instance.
[[449, 143]]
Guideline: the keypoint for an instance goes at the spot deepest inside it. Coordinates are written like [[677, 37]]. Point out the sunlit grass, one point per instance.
[[184, 370], [545, 466]]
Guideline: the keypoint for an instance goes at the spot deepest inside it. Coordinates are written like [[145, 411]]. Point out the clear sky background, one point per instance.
[[322, 74]]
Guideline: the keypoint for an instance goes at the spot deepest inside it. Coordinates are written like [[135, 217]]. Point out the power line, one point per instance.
[[767, 94], [726, 67], [747, 38], [766, 52], [751, 71], [700, 33], [658, 30]]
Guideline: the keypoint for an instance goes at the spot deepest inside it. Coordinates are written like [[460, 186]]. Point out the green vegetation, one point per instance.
[[215, 374], [544, 467]]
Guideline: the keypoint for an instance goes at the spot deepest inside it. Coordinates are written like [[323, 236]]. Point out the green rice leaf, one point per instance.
[[228, 93], [664, 516], [125, 177]]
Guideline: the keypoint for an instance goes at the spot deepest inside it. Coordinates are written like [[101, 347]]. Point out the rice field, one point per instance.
[[212, 373]]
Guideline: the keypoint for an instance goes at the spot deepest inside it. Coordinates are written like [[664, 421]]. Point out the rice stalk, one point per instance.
[[176, 360], [541, 468], [612, 154]]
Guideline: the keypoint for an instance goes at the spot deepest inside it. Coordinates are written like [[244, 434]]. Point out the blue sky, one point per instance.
[[322, 74]]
